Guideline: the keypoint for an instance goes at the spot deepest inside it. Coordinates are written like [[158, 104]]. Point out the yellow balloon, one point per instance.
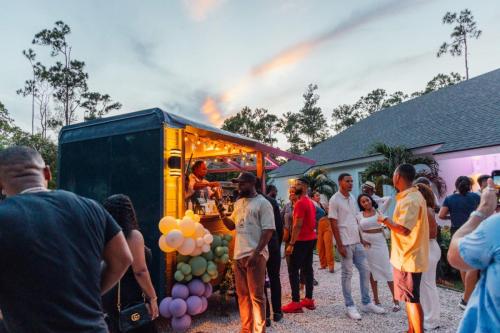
[[162, 243], [189, 213], [199, 230], [166, 224], [187, 226], [196, 218]]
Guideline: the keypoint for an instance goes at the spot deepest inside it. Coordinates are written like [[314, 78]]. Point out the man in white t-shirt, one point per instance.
[[342, 214], [382, 202], [253, 219]]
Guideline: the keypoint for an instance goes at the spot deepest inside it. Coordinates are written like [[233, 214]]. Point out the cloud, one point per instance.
[[198, 10], [145, 52], [297, 52]]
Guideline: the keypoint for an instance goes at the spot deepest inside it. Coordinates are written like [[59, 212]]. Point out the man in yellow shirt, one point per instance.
[[409, 244]]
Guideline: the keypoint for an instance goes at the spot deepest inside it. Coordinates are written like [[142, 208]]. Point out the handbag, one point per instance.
[[132, 316]]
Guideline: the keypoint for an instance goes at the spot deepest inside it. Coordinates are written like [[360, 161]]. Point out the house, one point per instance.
[[458, 125]]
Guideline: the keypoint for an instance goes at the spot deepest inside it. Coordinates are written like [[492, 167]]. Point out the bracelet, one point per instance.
[[479, 214]]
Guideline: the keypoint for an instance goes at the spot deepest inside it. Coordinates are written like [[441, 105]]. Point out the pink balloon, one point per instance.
[[205, 304], [180, 291], [196, 287], [208, 290]]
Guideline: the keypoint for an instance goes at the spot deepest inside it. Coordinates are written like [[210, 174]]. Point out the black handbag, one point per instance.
[[132, 316]]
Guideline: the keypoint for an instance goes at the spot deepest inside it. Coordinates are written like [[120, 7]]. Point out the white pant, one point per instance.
[[429, 296]]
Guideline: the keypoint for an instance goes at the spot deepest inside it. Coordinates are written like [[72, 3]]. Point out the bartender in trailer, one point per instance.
[[198, 186]]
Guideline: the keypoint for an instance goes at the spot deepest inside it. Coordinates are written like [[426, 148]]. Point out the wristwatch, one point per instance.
[[479, 214]]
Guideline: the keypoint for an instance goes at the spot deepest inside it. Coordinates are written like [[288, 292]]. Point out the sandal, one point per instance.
[[396, 308]]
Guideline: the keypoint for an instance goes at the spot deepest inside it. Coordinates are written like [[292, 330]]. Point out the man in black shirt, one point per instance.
[[52, 244]]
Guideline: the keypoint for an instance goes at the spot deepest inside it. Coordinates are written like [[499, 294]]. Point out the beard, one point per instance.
[[245, 193], [299, 192]]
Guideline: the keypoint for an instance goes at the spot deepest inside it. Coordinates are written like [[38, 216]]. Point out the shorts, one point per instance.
[[407, 286]]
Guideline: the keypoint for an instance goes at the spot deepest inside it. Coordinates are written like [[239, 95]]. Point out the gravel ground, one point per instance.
[[329, 315]]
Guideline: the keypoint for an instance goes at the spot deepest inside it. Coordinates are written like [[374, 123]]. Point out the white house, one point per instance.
[[458, 125]]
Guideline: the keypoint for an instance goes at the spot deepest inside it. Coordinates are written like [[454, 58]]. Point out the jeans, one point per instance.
[[355, 255], [250, 290], [302, 259], [273, 271]]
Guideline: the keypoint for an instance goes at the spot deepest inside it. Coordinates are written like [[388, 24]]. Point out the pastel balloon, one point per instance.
[[196, 252], [181, 324], [187, 247], [199, 230], [208, 238], [196, 287], [200, 242], [205, 248], [175, 238], [189, 213], [187, 226], [194, 305], [162, 243], [166, 224], [205, 304], [177, 307], [196, 218], [164, 310], [180, 291], [208, 290]]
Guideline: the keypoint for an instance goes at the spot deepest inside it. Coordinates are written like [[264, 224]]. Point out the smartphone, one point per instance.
[[496, 179]]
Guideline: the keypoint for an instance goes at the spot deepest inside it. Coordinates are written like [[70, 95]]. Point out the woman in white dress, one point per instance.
[[429, 296], [377, 252]]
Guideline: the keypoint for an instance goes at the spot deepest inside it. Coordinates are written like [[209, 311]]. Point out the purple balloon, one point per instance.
[[205, 304], [181, 324], [178, 307], [208, 290], [180, 291], [164, 310], [194, 305], [196, 287]]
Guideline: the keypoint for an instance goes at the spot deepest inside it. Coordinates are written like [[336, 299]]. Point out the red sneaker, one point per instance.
[[308, 303], [292, 307]]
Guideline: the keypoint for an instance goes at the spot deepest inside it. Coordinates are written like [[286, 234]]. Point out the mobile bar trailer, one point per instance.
[[144, 155]]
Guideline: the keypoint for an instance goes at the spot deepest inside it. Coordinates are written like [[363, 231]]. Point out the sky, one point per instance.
[[206, 59]]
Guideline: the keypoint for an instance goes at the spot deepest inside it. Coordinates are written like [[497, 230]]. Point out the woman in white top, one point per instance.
[[377, 253]]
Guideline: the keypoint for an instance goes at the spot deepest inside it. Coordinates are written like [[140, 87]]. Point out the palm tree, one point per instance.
[[319, 181], [381, 171]]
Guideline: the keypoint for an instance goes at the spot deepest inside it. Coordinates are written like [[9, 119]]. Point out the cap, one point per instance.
[[245, 177], [370, 184], [303, 180]]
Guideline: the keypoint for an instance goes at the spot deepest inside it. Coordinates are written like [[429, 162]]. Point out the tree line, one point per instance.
[[309, 125]]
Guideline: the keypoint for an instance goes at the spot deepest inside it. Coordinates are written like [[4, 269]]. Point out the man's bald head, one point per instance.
[[21, 168]]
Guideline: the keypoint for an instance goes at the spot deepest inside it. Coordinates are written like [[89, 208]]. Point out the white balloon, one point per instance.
[[196, 252], [208, 238], [174, 238], [200, 242], [205, 248], [187, 247]]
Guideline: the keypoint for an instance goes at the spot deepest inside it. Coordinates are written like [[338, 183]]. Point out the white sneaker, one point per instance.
[[353, 313], [370, 307]]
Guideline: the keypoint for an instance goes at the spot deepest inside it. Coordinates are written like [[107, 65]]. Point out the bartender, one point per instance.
[[198, 186]]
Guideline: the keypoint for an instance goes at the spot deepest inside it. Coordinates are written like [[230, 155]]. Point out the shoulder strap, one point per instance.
[[118, 297]]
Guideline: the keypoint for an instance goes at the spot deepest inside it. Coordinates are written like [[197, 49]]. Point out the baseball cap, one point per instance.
[[245, 177], [370, 184]]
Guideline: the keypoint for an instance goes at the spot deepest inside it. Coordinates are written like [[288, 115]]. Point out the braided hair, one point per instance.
[[122, 210]]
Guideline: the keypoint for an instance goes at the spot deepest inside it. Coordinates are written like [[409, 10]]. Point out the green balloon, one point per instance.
[[188, 278], [179, 265], [178, 276], [225, 243], [225, 258], [214, 275], [186, 269], [206, 278], [208, 255], [219, 251], [217, 242], [198, 265], [226, 250], [182, 258], [228, 237]]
